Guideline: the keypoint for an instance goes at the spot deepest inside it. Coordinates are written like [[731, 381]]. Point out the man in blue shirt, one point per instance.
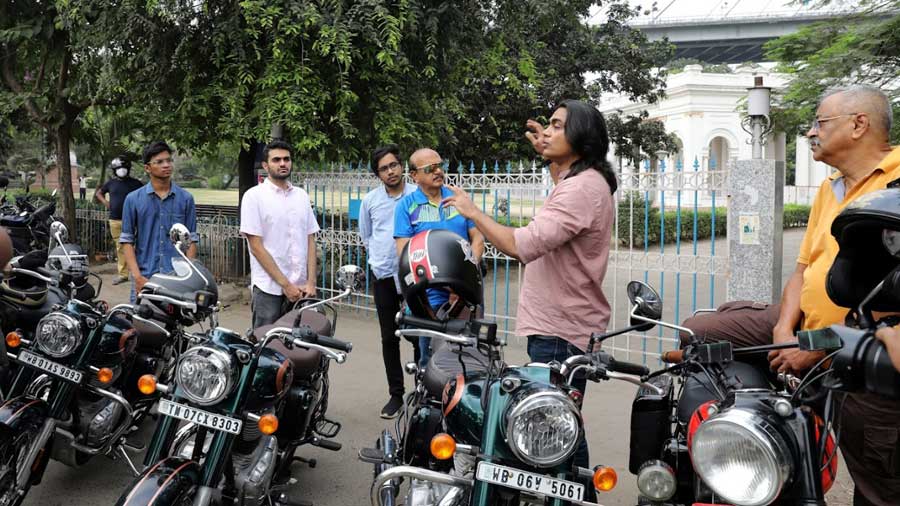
[[376, 228], [148, 214], [422, 210]]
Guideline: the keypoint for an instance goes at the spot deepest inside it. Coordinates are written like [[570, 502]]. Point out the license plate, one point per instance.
[[51, 367], [521, 480], [200, 417]]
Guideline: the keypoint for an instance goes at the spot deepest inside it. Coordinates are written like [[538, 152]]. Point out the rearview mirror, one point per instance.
[[349, 277], [645, 303], [59, 230], [180, 236]]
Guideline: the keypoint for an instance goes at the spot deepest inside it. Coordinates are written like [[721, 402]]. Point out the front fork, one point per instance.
[[24, 474]]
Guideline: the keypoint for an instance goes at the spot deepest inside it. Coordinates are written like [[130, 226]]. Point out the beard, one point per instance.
[[280, 177]]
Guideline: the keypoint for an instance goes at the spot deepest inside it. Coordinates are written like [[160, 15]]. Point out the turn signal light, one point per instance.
[[605, 478], [147, 384], [268, 424], [443, 446], [14, 339], [105, 375]]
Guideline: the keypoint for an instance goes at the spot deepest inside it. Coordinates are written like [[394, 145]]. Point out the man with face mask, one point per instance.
[[280, 226], [112, 195]]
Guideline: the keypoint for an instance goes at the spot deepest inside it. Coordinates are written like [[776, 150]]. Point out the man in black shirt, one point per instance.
[[117, 188]]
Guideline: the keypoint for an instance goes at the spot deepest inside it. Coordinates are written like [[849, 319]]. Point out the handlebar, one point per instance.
[[457, 339], [312, 341], [627, 367], [446, 327]]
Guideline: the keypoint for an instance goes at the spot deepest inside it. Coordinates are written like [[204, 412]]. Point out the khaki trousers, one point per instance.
[[115, 230]]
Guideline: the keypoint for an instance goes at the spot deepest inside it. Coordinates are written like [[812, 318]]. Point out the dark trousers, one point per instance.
[[870, 436], [387, 304], [546, 349], [266, 308]]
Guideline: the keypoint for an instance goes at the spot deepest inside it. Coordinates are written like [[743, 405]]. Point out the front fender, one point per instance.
[[163, 483], [24, 414], [20, 415]]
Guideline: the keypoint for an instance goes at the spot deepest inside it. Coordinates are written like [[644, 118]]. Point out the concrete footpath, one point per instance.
[[358, 390]]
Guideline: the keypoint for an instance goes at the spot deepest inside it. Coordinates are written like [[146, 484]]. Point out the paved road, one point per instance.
[[357, 394]]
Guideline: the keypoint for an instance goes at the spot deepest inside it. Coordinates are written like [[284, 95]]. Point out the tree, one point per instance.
[[862, 47], [637, 137]]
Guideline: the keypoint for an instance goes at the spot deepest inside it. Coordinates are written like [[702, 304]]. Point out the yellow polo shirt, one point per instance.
[[819, 248]]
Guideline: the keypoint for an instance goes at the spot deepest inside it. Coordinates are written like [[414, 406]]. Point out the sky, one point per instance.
[[670, 10]]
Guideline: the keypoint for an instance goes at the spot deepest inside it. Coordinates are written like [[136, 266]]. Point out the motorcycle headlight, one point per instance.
[[741, 457], [58, 334], [205, 375], [543, 428]]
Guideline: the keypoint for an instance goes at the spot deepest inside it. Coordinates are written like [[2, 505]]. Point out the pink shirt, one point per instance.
[[565, 250], [284, 219]]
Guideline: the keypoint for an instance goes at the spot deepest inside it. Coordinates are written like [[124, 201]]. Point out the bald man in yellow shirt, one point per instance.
[[850, 133]]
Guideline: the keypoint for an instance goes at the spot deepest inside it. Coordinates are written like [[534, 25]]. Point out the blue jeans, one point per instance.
[[546, 349], [424, 350]]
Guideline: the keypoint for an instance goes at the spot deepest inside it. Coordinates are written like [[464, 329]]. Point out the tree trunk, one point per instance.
[[66, 207], [246, 169]]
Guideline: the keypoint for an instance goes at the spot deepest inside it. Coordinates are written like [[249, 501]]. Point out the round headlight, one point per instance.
[[741, 458], [58, 334], [656, 481], [543, 428], [205, 375]]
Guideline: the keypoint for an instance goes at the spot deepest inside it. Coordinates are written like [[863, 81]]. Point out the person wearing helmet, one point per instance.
[[112, 195], [850, 132], [422, 210]]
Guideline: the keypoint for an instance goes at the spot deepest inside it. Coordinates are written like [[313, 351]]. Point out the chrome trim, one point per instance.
[[285, 332], [770, 440], [78, 333], [414, 472], [229, 374], [514, 410], [112, 441], [458, 339]]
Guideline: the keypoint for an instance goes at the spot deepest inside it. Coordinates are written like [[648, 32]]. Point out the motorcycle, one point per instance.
[[477, 431], [28, 226], [716, 430], [68, 398], [248, 402]]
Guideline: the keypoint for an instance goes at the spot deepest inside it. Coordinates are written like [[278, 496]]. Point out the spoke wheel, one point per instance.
[[13, 459]]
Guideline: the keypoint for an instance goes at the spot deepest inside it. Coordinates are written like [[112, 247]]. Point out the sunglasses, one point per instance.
[[428, 169]]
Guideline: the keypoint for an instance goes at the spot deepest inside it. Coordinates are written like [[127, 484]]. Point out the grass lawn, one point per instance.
[[214, 197]]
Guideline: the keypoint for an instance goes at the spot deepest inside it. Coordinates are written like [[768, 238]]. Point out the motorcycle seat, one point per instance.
[[306, 362], [148, 336], [15, 221], [444, 366]]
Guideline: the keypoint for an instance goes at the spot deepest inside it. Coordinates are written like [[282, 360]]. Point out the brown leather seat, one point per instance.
[[149, 336], [306, 362]]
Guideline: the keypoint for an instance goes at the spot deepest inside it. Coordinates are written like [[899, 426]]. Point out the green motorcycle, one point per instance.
[[480, 432], [239, 407]]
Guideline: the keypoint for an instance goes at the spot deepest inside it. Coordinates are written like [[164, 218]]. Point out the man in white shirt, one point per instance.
[[280, 226]]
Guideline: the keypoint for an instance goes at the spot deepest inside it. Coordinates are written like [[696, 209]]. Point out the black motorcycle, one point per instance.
[[239, 407], [717, 430], [28, 226]]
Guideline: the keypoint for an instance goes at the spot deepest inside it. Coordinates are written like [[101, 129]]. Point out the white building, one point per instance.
[[703, 110]]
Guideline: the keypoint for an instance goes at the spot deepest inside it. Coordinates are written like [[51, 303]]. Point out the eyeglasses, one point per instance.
[[428, 169], [818, 121], [161, 161], [391, 166]]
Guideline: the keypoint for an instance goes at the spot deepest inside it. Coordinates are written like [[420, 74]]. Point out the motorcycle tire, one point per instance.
[[12, 458]]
